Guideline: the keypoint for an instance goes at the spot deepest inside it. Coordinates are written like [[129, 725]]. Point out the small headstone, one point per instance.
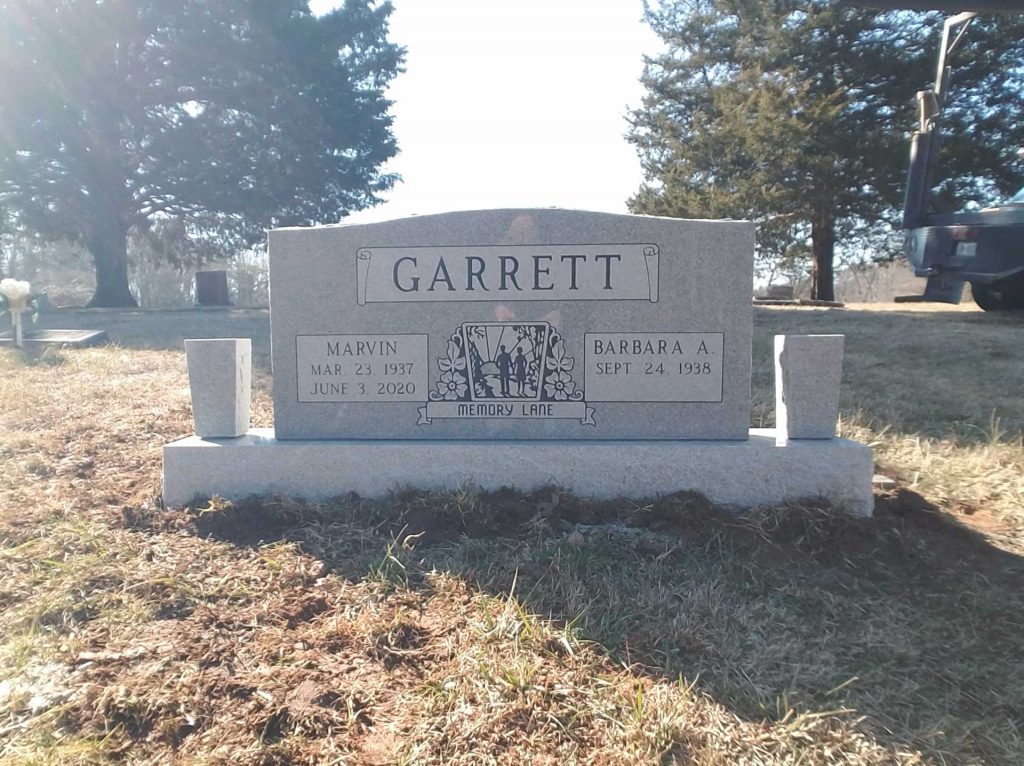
[[513, 324], [212, 288], [220, 375], [808, 371]]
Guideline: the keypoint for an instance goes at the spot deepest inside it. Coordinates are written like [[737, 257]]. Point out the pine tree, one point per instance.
[[797, 115]]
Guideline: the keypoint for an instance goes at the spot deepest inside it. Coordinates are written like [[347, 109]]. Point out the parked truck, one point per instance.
[[983, 247]]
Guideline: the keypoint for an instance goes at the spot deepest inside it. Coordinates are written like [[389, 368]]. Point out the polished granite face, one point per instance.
[[513, 324]]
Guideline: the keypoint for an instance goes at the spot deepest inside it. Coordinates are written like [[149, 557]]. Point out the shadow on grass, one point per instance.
[[909, 618]]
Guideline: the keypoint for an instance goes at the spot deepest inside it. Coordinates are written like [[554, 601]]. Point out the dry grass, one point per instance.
[[458, 628]]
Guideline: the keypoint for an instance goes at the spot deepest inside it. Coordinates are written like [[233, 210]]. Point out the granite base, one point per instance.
[[740, 474]]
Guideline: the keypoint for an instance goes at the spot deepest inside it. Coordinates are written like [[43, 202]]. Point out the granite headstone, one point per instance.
[[513, 324]]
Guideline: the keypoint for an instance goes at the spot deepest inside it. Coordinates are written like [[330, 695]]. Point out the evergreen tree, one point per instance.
[[797, 115], [228, 116]]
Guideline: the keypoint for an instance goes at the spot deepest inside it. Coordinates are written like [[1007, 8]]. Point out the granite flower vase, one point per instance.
[[220, 375]]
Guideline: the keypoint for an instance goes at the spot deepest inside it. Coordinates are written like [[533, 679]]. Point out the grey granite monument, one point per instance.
[[607, 354], [513, 324]]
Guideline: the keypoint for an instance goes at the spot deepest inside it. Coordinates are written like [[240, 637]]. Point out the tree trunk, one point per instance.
[[109, 249], [823, 248]]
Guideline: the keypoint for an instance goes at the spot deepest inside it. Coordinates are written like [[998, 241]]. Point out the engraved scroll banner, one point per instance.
[[507, 273]]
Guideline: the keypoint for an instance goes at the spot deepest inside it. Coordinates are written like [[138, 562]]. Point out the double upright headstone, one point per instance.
[[606, 354], [513, 324]]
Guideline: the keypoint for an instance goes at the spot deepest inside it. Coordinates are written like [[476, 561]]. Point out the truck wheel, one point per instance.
[[1000, 296]]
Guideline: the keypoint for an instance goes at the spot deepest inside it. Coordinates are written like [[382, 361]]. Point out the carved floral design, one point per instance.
[[453, 384], [558, 383], [454, 359], [560, 386]]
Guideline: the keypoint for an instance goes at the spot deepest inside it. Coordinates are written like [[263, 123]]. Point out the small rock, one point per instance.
[[576, 539]]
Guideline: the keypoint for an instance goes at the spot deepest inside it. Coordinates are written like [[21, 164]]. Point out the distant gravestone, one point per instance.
[[212, 288], [513, 324]]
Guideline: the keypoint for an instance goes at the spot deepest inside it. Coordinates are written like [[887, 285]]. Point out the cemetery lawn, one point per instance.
[[458, 628]]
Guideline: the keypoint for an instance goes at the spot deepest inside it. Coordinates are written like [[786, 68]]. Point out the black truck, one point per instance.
[[983, 247]]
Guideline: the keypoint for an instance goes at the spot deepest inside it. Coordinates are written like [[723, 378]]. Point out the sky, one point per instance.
[[514, 103]]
